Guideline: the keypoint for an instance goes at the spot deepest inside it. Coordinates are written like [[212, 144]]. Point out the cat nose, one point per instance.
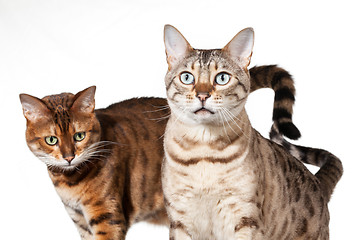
[[69, 158], [202, 96]]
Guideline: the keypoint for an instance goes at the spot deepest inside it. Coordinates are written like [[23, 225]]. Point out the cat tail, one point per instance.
[[331, 168], [278, 79]]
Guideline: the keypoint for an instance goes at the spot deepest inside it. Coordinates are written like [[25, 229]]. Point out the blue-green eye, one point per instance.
[[222, 78], [51, 140], [187, 78], [79, 136]]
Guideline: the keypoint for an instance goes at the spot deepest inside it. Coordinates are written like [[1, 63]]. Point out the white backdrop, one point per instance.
[[49, 47]]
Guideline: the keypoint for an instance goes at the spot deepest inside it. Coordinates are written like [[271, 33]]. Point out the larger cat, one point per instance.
[[105, 164], [221, 179]]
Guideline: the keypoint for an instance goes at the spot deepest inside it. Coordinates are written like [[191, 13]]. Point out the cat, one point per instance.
[[221, 179], [105, 163]]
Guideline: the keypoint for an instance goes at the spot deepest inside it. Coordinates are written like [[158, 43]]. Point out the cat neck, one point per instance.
[[226, 130]]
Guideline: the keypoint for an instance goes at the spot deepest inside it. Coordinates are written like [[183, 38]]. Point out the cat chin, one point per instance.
[[205, 118], [64, 168], [68, 168]]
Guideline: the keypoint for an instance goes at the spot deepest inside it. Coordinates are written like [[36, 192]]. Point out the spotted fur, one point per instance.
[[222, 179], [331, 168]]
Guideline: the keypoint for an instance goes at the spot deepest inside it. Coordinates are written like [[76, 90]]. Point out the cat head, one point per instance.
[[61, 128], [206, 86]]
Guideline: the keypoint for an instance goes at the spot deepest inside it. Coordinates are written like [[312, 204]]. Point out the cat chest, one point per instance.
[[209, 198], [212, 180]]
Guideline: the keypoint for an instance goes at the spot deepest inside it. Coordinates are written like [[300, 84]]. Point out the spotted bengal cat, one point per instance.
[[105, 163], [221, 179]]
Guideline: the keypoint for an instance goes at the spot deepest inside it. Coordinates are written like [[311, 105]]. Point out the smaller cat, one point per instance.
[[105, 164]]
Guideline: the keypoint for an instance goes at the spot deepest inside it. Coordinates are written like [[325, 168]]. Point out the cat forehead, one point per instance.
[[61, 101], [205, 58], [59, 105]]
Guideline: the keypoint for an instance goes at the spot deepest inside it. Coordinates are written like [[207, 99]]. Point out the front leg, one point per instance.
[[248, 228], [178, 232], [78, 218], [106, 222]]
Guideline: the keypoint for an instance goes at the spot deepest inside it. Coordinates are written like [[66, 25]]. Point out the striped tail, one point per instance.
[[281, 82], [331, 168]]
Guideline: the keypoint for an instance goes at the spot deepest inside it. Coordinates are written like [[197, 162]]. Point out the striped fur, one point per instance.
[[113, 179], [331, 168], [221, 179], [116, 125], [282, 83]]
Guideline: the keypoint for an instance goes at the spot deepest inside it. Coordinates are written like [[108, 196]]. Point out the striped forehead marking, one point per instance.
[[60, 105]]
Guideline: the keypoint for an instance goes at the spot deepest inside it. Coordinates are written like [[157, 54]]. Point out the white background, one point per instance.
[[49, 47]]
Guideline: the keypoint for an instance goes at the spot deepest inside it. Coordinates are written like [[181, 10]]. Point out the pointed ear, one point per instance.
[[33, 108], [176, 46], [84, 100], [240, 47]]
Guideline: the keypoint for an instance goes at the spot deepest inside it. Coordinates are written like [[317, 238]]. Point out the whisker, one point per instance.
[[232, 119], [228, 123], [160, 108], [160, 118], [173, 124], [235, 117], [222, 121]]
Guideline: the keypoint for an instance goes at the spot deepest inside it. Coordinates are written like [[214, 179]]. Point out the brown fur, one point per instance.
[[121, 186]]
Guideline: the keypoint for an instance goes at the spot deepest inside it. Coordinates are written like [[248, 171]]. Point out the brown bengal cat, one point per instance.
[[105, 164], [221, 179]]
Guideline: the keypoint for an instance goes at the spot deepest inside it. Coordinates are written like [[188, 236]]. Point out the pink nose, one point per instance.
[[69, 158], [203, 96]]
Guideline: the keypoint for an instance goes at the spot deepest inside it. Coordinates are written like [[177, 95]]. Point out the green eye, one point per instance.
[[79, 136], [187, 78], [222, 78], [51, 140]]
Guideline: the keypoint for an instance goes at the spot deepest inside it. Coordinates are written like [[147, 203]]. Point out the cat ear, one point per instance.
[[176, 46], [33, 108], [84, 100], [240, 47]]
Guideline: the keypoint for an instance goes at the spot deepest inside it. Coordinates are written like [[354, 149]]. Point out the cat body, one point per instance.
[[111, 178], [221, 179], [226, 195]]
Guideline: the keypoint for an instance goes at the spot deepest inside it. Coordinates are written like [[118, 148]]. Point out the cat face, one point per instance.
[[207, 86], [62, 130]]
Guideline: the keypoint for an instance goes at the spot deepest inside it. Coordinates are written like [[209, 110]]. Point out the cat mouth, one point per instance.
[[203, 111]]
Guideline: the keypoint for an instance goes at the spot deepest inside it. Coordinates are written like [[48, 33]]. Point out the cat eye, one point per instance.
[[222, 78], [79, 136], [187, 78], [51, 140]]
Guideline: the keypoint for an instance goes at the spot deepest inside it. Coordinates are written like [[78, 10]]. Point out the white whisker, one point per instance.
[[175, 121], [227, 119], [160, 118], [159, 108], [232, 119], [222, 121]]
